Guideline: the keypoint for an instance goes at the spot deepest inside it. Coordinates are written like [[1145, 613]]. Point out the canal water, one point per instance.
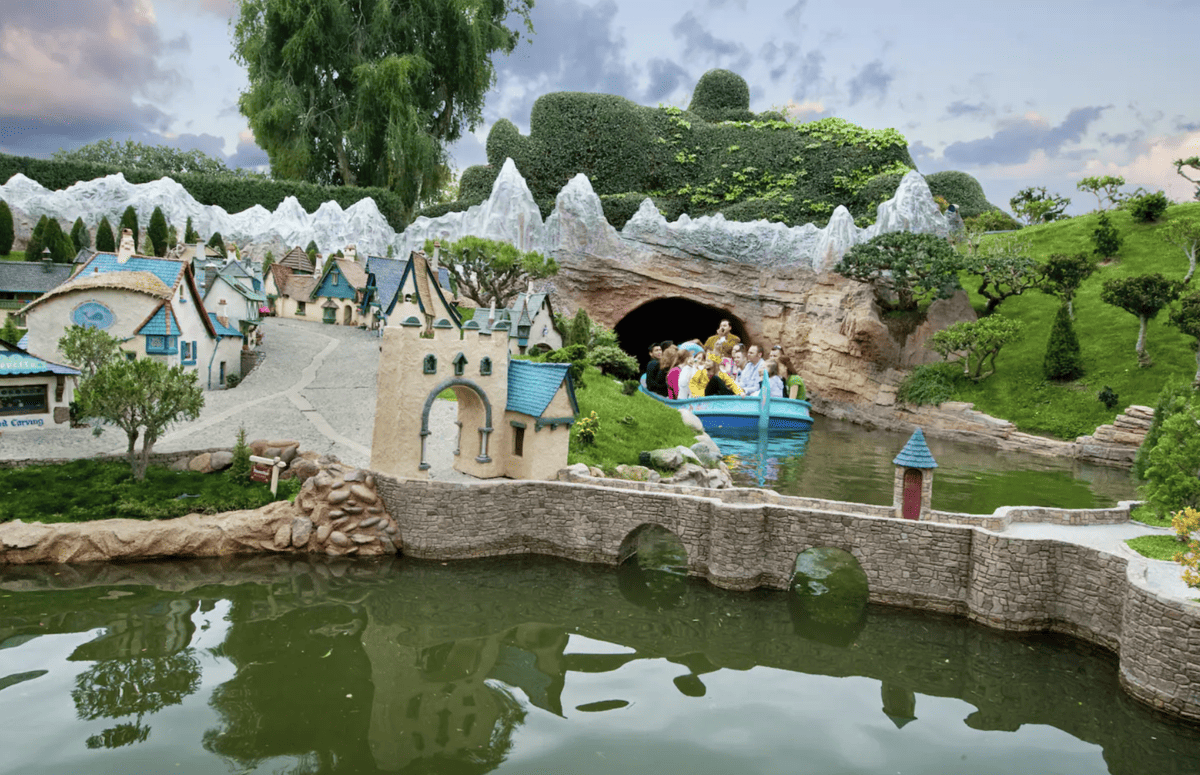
[[530, 665], [843, 461]]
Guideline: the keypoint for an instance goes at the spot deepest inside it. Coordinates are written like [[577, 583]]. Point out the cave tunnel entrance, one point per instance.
[[673, 318]]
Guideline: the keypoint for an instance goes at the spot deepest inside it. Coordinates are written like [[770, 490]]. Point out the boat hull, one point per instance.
[[717, 412]]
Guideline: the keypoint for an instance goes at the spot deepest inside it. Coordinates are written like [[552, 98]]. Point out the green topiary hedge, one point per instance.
[[961, 189], [719, 91], [233, 193]]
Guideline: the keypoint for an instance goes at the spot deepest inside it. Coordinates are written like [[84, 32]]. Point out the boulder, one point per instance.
[[577, 469], [706, 451], [302, 469], [201, 463], [638, 473], [670, 459], [220, 460], [180, 465], [691, 420]]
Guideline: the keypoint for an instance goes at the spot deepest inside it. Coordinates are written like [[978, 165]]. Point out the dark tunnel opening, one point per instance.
[[672, 318]]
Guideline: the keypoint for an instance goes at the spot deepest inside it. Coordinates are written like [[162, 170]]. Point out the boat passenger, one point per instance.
[[702, 383], [656, 378], [687, 369], [774, 379], [671, 361], [723, 341], [781, 362], [749, 378]]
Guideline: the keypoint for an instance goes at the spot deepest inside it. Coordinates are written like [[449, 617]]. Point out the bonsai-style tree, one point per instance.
[[1141, 295], [1003, 266], [1193, 163], [157, 232], [1062, 274], [129, 221], [911, 267], [141, 397], [105, 241], [6, 229], [1106, 238], [89, 348], [980, 340], [1184, 235], [490, 272], [79, 235], [1037, 205], [1187, 319], [1104, 187], [1064, 360]]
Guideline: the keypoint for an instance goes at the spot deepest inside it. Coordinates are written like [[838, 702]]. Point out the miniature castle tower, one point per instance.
[[912, 490]]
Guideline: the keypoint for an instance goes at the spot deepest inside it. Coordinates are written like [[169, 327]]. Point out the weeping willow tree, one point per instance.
[[369, 92]]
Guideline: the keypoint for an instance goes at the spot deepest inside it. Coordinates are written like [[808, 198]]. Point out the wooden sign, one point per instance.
[[261, 472]]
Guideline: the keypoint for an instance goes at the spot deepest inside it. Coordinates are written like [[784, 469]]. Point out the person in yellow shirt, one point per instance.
[[723, 341], [723, 384]]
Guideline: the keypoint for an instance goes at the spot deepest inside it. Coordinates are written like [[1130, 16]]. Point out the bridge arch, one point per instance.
[[672, 317]]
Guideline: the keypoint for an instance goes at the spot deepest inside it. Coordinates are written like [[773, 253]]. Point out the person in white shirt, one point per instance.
[[774, 380], [749, 378], [686, 371]]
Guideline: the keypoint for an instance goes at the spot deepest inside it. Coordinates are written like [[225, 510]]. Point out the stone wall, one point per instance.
[[1005, 582]]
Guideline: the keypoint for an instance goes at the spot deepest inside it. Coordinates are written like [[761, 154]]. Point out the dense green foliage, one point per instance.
[[960, 189], [217, 242], [1037, 205], [231, 192], [1148, 208], [1156, 547], [34, 247], [1143, 296], [1186, 318], [1103, 187], [239, 467], [79, 235], [1020, 393], [978, 342], [156, 232], [1173, 464], [491, 272], [158, 159], [1061, 274], [129, 220], [1064, 358], [62, 250], [53, 493], [905, 268], [1106, 238], [628, 424], [87, 349], [106, 241], [721, 95], [379, 112], [6, 229], [930, 384], [190, 235], [1172, 399], [1003, 266]]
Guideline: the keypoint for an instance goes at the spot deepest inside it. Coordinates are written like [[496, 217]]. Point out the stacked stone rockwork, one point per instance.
[[1117, 444], [340, 514]]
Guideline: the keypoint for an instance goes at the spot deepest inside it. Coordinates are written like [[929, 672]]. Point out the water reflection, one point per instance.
[[514, 665], [842, 461]]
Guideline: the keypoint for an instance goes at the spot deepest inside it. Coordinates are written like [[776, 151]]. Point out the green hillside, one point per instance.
[[1019, 393]]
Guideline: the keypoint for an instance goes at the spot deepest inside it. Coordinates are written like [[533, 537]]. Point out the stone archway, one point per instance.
[[674, 318], [473, 424]]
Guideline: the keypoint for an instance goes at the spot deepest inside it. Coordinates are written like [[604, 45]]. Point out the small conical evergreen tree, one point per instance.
[[33, 250], [60, 244], [79, 236], [1064, 360], [129, 221], [105, 241], [156, 232], [6, 229], [190, 235], [217, 242]]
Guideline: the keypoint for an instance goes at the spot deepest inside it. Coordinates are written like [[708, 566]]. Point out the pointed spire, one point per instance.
[[916, 453]]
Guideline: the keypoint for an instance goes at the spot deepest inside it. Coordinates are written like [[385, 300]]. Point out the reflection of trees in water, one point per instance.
[[132, 687]]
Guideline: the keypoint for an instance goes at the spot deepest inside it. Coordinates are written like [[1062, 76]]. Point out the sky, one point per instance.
[[1015, 93]]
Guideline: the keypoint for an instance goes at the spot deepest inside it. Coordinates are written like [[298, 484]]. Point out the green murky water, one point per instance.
[[843, 461], [529, 665]]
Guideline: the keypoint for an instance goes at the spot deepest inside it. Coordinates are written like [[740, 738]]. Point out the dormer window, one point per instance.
[[335, 278]]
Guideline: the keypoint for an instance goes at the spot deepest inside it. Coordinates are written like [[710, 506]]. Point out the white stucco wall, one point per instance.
[[40, 420], [48, 321]]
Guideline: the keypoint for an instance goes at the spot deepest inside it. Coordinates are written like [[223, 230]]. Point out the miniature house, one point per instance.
[[912, 491], [514, 417]]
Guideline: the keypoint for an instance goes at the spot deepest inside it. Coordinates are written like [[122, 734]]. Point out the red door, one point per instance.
[[912, 494]]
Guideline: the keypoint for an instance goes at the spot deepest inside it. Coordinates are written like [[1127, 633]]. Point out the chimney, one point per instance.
[[351, 253], [126, 249], [222, 313]]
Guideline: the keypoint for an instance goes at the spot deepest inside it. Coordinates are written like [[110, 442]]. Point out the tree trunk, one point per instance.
[[1191, 267], [143, 463], [1143, 358], [1196, 379], [129, 454]]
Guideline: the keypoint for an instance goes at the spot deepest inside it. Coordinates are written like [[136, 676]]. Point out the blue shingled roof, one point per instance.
[[15, 361], [532, 386], [223, 330], [161, 323], [916, 453], [164, 269]]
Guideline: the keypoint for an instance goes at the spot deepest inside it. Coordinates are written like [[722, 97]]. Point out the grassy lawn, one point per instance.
[[1019, 393], [86, 490], [628, 424], [16, 255], [1163, 547]]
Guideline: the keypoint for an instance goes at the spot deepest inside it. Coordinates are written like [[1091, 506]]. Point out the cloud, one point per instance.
[[921, 153], [1019, 139], [248, 154], [872, 79], [804, 111], [78, 72], [1152, 166], [700, 43], [1183, 125], [960, 108], [794, 13], [666, 77]]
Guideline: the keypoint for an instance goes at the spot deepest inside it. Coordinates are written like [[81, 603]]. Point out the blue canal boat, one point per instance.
[[761, 411]]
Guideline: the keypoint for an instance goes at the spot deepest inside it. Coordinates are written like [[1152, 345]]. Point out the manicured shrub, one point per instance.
[[33, 249], [105, 241], [476, 183], [879, 189], [156, 232], [6, 229], [720, 90], [1148, 208], [217, 243], [1064, 359], [504, 142], [959, 188], [440, 209], [1106, 239], [239, 467], [613, 361], [79, 235], [129, 221], [930, 383], [1108, 397], [992, 220], [619, 208]]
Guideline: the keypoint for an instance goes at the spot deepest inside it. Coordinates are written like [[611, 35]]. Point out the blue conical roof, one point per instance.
[[916, 453]]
